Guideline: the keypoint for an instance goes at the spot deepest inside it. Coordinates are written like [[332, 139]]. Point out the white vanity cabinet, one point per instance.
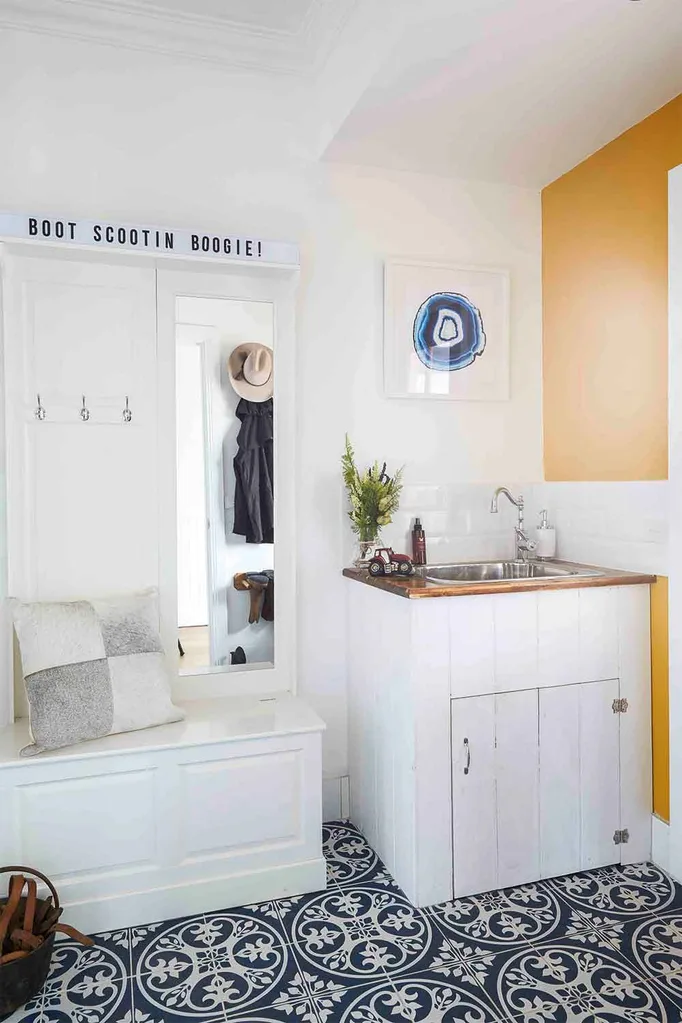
[[501, 738]]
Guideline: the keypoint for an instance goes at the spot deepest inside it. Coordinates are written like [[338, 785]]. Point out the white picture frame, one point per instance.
[[446, 331]]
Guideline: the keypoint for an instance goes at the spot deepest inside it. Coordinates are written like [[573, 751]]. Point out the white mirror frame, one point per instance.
[[276, 287]]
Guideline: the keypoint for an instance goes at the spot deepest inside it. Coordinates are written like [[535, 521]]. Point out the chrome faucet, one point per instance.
[[525, 547]]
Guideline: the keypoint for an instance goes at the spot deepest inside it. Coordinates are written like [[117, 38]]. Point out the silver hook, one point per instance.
[[84, 412], [127, 414], [39, 412]]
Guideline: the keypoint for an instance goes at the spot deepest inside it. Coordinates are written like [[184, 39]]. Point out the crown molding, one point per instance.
[[136, 25]]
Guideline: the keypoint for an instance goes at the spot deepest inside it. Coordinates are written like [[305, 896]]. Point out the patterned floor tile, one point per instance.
[[29, 1013], [484, 924], [422, 998], [302, 1012], [143, 937], [569, 981], [90, 989], [545, 914], [87, 985], [634, 890], [351, 860], [228, 962], [654, 947], [354, 935], [603, 946]]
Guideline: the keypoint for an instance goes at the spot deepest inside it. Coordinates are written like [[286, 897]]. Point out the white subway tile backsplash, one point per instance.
[[618, 525]]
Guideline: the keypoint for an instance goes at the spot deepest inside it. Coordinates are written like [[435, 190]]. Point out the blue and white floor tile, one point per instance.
[[603, 946]]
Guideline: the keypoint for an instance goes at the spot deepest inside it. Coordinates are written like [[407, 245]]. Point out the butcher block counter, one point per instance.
[[462, 579]]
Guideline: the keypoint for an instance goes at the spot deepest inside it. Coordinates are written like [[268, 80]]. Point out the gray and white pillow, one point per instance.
[[92, 668]]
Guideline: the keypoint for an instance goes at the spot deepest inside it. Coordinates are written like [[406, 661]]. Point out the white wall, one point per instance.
[[94, 132]]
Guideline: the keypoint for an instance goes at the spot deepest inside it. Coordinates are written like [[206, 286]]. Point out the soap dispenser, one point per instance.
[[546, 535]]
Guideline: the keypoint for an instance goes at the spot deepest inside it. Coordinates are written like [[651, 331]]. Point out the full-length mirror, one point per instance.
[[225, 385]]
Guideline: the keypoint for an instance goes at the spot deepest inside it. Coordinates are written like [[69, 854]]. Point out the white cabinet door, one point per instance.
[[579, 777], [516, 772], [495, 790], [535, 784], [474, 796]]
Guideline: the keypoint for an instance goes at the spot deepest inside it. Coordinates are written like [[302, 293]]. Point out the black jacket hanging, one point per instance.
[[254, 484]]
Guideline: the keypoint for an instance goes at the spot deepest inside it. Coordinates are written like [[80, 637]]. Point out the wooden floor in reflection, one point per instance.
[[194, 641]]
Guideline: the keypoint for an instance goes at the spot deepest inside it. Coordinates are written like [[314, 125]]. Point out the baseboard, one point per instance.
[[335, 798], [660, 842], [135, 908]]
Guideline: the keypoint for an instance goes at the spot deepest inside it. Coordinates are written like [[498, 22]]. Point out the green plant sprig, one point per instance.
[[374, 496]]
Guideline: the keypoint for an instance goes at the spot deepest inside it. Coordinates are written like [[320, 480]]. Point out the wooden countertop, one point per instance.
[[414, 586]]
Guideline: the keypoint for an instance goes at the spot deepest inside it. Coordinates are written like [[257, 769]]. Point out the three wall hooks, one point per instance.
[[40, 412]]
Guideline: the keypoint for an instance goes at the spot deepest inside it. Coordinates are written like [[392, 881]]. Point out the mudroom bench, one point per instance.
[[221, 809]]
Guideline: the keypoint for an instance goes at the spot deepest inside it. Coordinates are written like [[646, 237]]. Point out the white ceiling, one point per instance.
[[515, 91]]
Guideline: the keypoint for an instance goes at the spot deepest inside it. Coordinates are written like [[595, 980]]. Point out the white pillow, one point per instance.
[[92, 668]]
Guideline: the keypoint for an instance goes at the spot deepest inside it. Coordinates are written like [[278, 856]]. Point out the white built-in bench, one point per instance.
[[219, 810]]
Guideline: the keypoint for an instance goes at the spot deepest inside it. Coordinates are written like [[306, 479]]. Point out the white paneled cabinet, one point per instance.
[[549, 773], [535, 784], [223, 808]]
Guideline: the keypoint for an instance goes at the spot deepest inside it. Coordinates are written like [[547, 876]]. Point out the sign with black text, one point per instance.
[[161, 241]]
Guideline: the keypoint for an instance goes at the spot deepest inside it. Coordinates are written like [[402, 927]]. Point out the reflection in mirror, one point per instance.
[[225, 492]]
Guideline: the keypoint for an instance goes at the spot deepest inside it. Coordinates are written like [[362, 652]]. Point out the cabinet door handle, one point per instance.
[[467, 747]]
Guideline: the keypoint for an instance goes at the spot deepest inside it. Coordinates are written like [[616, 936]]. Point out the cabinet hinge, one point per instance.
[[620, 706], [621, 837]]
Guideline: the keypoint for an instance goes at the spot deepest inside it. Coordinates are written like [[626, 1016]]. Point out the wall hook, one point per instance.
[[39, 412], [127, 414], [84, 412]]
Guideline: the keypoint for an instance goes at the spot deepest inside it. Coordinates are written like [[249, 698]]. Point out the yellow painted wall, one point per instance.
[[605, 237], [660, 725]]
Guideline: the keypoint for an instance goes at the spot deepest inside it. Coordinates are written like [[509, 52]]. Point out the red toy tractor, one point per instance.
[[386, 562]]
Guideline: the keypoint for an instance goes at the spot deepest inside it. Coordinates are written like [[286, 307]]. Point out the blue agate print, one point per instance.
[[448, 332]]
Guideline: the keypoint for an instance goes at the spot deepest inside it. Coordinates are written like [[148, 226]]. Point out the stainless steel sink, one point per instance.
[[498, 571]]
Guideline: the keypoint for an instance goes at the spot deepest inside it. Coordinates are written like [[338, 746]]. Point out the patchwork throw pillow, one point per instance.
[[92, 668]]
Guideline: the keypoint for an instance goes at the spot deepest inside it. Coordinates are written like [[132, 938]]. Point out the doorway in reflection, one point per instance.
[[225, 493]]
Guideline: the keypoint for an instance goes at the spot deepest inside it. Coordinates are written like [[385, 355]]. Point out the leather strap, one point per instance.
[[73, 933], [31, 899], [11, 956], [16, 887]]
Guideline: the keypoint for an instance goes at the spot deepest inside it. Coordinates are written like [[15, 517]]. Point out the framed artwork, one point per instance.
[[446, 331]]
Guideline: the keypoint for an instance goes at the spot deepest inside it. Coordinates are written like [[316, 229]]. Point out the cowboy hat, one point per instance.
[[250, 370]]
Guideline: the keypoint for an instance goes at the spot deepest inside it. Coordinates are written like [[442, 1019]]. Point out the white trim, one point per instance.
[[660, 842], [6, 634], [335, 798], [675, 507], [130, 910], [214, 503], [149, 28]]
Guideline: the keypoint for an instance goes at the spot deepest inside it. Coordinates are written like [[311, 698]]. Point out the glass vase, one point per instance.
[[365, 552]]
